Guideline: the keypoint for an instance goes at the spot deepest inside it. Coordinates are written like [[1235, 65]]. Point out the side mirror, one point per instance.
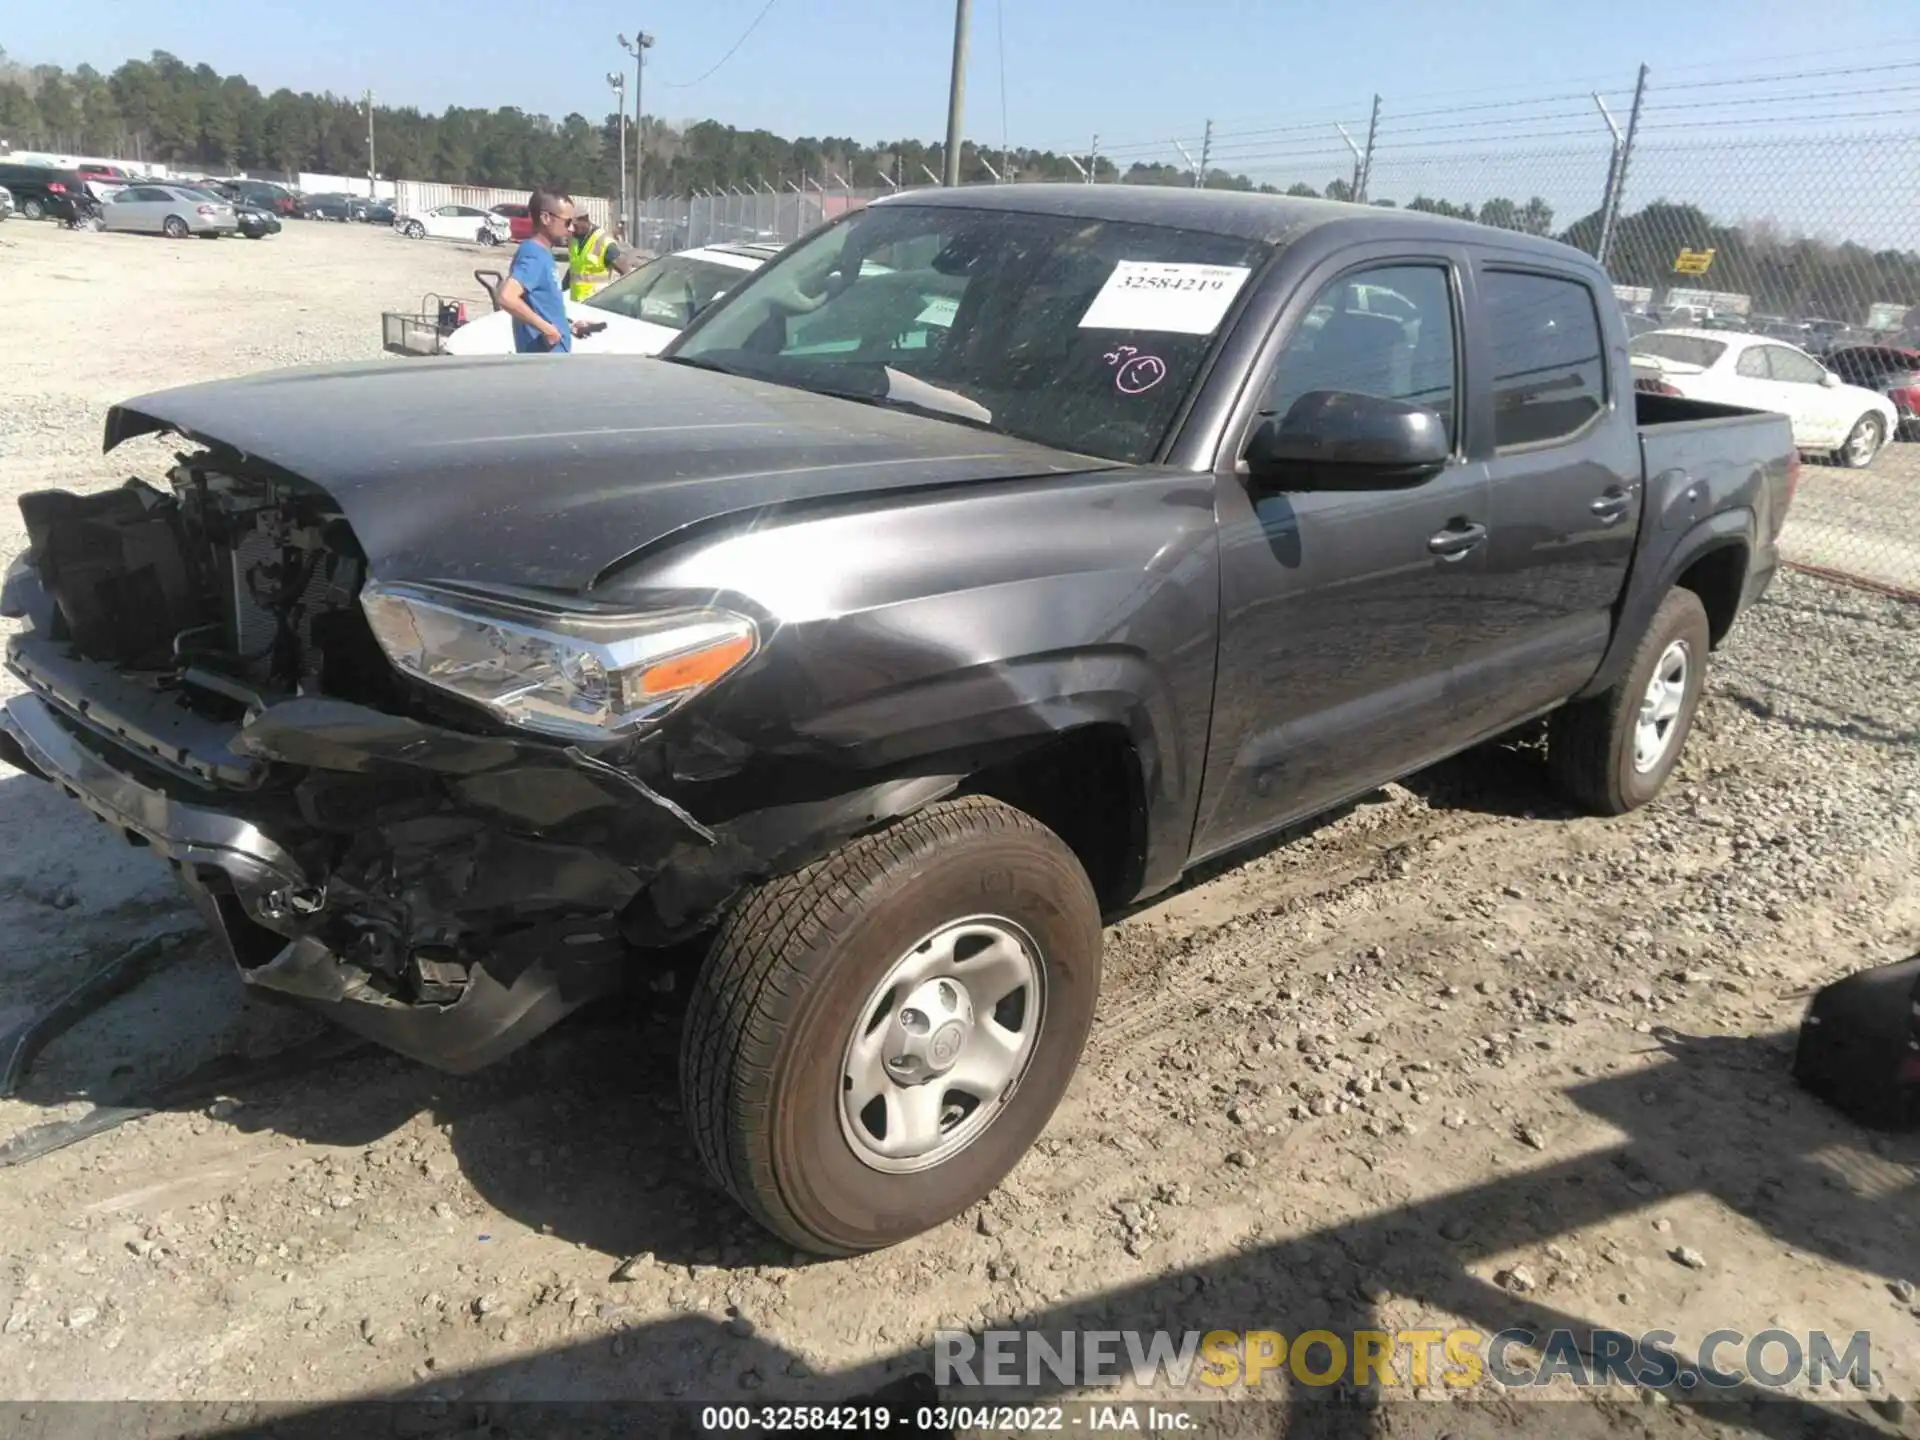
[[1337, 440], [1829, 379]]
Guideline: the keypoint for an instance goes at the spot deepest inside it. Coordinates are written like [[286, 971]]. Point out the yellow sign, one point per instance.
[[1692, 262]]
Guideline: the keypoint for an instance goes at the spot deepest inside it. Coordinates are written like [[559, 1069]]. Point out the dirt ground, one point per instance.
[[1453, 1056]]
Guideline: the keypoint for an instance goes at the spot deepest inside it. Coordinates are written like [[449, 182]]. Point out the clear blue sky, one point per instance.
[[1481, 98], [876, 69]]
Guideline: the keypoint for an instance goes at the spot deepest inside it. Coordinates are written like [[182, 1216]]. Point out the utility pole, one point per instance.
[[371, 171], [642, 42], [1616, 167], [1093, 162], [1366, 163], [956, 93], [1206, 155], [619, 83]]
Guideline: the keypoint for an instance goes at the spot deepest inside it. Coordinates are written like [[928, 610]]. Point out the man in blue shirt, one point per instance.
[[531, 292]]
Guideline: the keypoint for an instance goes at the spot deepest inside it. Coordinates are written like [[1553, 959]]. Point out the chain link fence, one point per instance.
[[1812, 241], [1781, 207]]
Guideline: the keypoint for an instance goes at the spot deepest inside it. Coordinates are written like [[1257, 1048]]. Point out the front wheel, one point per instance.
[[1612, 753], [1863, 442], [488, 238], [416, 231], [875, 1041]]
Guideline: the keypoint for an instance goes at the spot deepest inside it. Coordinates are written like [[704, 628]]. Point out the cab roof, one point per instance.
[[1274, 219]]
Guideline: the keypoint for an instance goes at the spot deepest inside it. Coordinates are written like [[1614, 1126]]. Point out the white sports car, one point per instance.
[[642, 310], [455, 222], [1829, 416]]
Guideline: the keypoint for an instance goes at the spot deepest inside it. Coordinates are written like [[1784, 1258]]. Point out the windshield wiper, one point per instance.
[[695, 362]]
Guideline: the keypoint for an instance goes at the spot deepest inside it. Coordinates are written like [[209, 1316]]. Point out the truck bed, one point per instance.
[[1724, 446], [1704, 459]]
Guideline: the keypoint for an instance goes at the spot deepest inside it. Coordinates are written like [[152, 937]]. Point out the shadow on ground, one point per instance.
[[1806, 1177]]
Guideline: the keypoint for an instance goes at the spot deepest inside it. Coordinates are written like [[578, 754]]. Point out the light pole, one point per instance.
[[641, 43], [372, 197], [956, 94], [619, 83]]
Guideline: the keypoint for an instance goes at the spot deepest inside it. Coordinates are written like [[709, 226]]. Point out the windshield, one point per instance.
[[669, 291], [1074, 332], [1687, 349]]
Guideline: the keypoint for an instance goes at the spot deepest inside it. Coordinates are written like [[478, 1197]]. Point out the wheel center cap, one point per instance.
[[944, 1049], [927, 1034]]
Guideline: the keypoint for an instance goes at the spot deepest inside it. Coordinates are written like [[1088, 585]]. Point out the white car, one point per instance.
[[642, 310], [454, 222], [1830, 417]]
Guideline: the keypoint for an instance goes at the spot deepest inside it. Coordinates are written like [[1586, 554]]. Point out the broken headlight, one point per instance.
[[577, 675]]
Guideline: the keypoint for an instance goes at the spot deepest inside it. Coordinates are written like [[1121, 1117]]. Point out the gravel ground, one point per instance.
[[1453, 1056], [1860, 522]]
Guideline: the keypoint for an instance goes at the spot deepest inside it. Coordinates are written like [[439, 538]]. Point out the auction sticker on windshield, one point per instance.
[[1165, 295]]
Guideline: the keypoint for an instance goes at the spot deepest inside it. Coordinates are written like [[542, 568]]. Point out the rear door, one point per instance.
[[138, 207], [1564, 484], [1345, 614]]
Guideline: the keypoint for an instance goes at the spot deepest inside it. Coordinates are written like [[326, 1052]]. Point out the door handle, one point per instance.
[[1456, 540], [1611, 506]]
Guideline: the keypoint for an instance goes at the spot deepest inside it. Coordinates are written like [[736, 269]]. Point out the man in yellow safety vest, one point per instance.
[[592, 258]]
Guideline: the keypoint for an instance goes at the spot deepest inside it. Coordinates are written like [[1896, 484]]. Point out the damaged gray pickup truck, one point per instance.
[[976, 568]]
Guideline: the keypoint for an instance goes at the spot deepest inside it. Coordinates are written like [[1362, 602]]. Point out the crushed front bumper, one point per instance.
[[261, 900]]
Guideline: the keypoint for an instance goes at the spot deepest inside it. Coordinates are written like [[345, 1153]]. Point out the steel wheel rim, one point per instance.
[[941, 1044], [1661, 705], [1860, 444]]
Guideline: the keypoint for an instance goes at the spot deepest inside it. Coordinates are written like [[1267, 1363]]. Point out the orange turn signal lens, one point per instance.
[[698, 668]]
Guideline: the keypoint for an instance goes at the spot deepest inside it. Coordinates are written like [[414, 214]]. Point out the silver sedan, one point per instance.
[[173, 210]]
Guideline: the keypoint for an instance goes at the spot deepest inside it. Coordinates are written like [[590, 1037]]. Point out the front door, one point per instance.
[[1343, 614], [1821, 414]]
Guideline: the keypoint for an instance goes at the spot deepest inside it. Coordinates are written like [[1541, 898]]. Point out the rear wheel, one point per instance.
[[31, 209], [875, 1041], [175, 227], [1613, 752], [1863, 442]]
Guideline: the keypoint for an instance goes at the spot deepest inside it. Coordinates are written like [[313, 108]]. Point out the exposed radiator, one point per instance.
[[254, 625]]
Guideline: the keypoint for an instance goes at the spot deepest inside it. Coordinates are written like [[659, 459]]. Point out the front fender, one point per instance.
[[944, 634]]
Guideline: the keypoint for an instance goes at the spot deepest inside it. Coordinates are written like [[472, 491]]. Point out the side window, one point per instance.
[[1793, 367], [1753, 363], [1549, 365], [1387, 332]]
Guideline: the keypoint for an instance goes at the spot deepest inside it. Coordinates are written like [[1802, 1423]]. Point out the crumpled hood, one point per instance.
[[545, 471]]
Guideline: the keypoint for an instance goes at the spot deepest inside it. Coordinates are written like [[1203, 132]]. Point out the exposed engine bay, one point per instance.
[[231, 585]]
